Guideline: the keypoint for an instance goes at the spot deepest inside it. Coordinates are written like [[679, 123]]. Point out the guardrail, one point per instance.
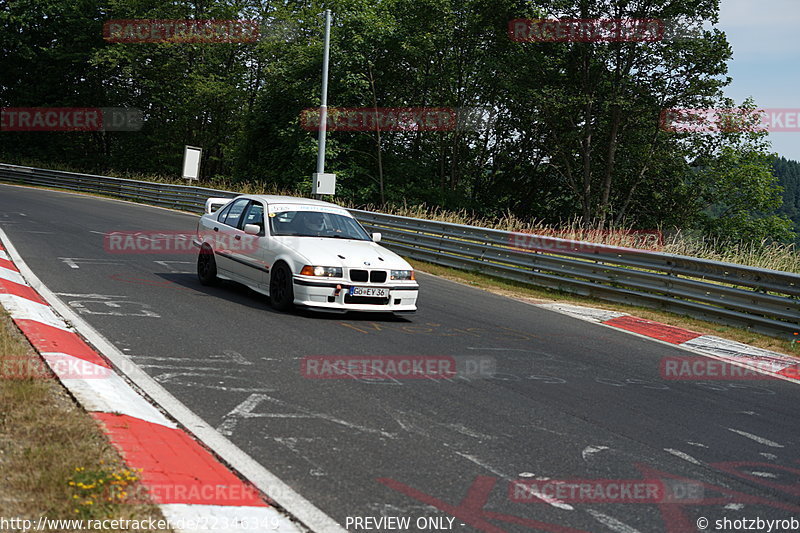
[[766, 301]]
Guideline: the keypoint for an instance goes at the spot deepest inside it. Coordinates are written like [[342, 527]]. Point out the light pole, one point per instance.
[[324, 183]]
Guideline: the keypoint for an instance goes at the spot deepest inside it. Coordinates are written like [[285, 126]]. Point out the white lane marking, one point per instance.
[[764, 474], [482, 464], [23, 309], [176, 270], [469, 432], [112, 308], [735, 506], [768, 455], [279, 491], [245, 410], [612, 523], [529, 488], [92, 295], [170, 378], [526, 474], [684, 456], [235, 518], [292, 444], [72, 262], [531, 491], [751, 413], [756, 438], [12, 275], [699, 445], [589, 450]]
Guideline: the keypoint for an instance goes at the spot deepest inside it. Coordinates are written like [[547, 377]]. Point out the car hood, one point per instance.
[[348, 253]]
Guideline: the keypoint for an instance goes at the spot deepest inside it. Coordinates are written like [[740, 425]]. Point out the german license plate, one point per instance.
[[371, 292]]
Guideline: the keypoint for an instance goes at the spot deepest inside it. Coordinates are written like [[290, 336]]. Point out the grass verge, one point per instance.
[[55, 462], [537, 295]]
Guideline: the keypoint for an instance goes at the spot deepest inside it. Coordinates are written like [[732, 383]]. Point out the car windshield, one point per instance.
[[316, 224]]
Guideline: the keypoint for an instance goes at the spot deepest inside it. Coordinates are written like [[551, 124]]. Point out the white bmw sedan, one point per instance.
[[302, 252]]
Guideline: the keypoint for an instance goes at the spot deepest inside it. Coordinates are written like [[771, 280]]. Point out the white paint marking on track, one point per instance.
[[756, 438], [612, 523], [699, 445], [589, 450], [684, 456], [768, 455], [529, 490], [764, 474], [72, 262], [4, 255]]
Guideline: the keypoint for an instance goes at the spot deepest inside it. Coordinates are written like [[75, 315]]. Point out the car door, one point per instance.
[[225, 232], [248, 250]]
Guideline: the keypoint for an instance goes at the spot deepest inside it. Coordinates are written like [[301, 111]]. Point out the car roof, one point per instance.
[[276, 199]]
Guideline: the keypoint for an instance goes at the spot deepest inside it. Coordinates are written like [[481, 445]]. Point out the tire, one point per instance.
[[207, 267], [281, 290]]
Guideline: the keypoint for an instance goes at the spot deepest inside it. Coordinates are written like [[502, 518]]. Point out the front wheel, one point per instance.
[[281, 290], [207, 266]]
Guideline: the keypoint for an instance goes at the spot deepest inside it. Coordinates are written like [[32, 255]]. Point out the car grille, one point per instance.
[[359, 275], [373, 276]]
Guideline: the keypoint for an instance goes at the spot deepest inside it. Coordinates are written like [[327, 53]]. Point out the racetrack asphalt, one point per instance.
[[569, 399]]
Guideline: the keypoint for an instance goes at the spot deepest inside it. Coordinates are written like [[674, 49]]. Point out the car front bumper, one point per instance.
[[334, 296]]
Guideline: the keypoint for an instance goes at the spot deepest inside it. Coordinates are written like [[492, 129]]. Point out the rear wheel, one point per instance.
[[281, 291], [207, 266]]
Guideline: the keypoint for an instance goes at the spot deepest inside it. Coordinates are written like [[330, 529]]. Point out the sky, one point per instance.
[[765, 37]]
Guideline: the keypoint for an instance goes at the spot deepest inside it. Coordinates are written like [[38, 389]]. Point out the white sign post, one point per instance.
[[191, 163]]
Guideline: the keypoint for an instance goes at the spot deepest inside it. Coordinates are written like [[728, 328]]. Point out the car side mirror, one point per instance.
[[252, 229], [376, 237]]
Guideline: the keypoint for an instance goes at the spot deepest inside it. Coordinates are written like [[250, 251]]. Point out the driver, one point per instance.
[[313, 222]]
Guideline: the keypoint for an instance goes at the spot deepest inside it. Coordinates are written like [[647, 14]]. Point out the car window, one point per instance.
[[254, 215], [220, 215], [234, 215], [316, 224]]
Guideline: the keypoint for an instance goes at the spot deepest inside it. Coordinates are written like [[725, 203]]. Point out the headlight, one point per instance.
[[325, 272], [402, 274]]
